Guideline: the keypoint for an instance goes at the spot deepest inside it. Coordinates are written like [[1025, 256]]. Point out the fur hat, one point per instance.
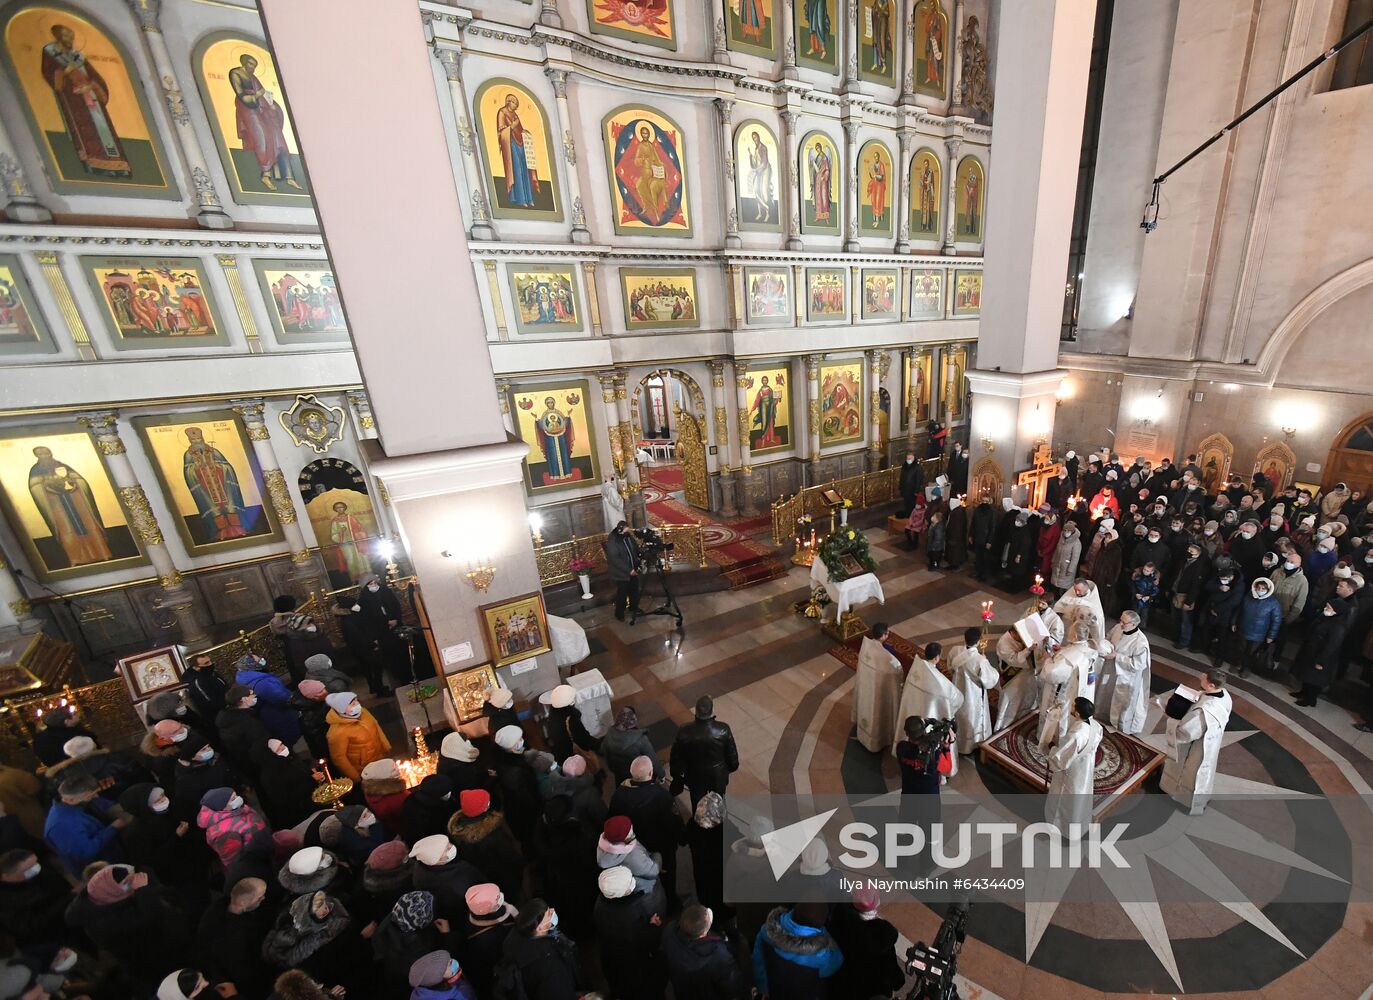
[[616, 882], [455, 746], [509, 737]]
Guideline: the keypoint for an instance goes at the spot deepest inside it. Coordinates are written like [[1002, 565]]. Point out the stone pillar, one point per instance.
[[210, 212], [725, 108], [903, 192], [21, 204], [593, 297], [908, 57], [851, 244], [16, 613], [720, 49], [508, 418], [66, 305], [789, 41], [741, 386], [726, 450], [365, 423], [790, 203], [874, 408], [1041, 82], [912, 357], [305, 571], [812, 364], [548, 14], [951, 145], [851, 44], [562, 124], [956, 105], [478, 212], [612, 422], [634, 495], [177, 596]]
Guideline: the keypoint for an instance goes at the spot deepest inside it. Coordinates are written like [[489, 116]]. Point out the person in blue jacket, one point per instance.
[[81, 826], [1260, 618], [794, 953], [274, 706]]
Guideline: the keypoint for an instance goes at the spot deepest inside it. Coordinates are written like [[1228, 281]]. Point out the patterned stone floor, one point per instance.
[[788, 701]]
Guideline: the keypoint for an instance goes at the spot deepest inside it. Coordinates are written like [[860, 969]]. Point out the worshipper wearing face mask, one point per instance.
[[1144, 591], [360, 834], [299, 633], [379, 612], [437, 975], [59, 726], [794, 956], [1247, 549], [274, 704], [983, 535], [230, 935], [1193, 573], [112, 771], [159, 747], [915, 522], [205, 687], [33, 901], [1318, 659], [1221, 600], [317, 936], [1067, 554], [484, 840], [629, 931], [231, 826], [459, 761], [439, 870], [911, 483], [285, 785], [1255, 630], [521, 798], [564, 849], [429, 808], [700, 963], [121, 910], [1290, 590], [83, 827], [618, 845], [157, 841], [199, 768], [488, 922], [567, 734], [409, 932], [1194, 743], [242, 733], [355, 738], [538, 958], [1106, 571], [385, 792]]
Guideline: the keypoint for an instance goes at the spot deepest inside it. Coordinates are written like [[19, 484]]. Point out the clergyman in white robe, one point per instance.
[[974, 676], [1194, 742], [1075, 605], [876, 692], [1066, 675], [1071, 766], [1131, 659], [1020, 694], [928, 694]]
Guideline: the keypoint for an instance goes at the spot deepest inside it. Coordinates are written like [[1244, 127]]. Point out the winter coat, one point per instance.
[[19, 795], [1157, 553], [194, 779], [635, 857], [231, 947], [521, 799], [1106, 575], [125, 928], [207, 689], [1047, 547], [1318, 563], [228, 832], [1248, 554], [335, 681], [285, 787], [395, 950], [244, 736], [911, 482], [467, 775], [588, 801], [274, 704], [564, 850], [355, 743], [547, 964], [870, 967], [329, 951], [1063, 570], [701, 968], [1224, 605], [708, 864], [652, 810], [1191, 578], [1321, 648], [380, 890], [791, 960], [386, 798], [619, 747], [1290, 591], [621, 556], [1145, 589], [79, 835], [448, 883], [567, 734], [629, 947], [426, 813], [314, 725], [152, 844], [481, 941], [486, 842], [111, 770], [1260, 618], [956, 536], [461, 990], [33, 912], [916, 521], [159, 759], [703, 757], [936, 537]]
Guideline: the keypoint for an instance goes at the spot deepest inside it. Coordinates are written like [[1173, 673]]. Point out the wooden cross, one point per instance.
[[1037, 478]]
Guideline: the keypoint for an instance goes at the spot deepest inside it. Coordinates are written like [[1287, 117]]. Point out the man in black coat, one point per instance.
[[703, 754], [652, 810], [33, 901], [871, 968], [912, 482], [206, 687], [700, 964], [622, 559], [1247, 548], [241, 732], [984, 525], [230, 938], [629, 929], [59, 726]]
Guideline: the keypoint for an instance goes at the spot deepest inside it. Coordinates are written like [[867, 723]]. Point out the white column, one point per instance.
[[812, 365], [548, 14], [1041, 83], [21, 204], [305, 570], [725, 108], [788, 12], [791, 199], [911, 359], [612, 422], [728, 450], [479, 215], [851, 244], [850, 29], [908, 57], [179, 597], [576, 210], [956, 105], [211, 209], [634, 500], [741, 378], [16, 613], [951, 146], [874, 408], [903, 192], [720, 51], [363, 419]]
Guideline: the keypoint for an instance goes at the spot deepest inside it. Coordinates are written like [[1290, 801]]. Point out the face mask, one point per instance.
[[553, 921], [372, 588], [1322, 535], [31, 872], [1210, 531], [1248, 532], [519, 747], [365, 821], [250, 702], [1176, 527], [1290, 566], [1153, 539], [235, 804], [181, 736], [452, 853], [352, 711], [160, 806], [283, 752], [180, 709], [453, 971], [325, 861], [205, 756]]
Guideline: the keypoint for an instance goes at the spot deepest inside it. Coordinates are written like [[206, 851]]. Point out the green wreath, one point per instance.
[[845, 541]]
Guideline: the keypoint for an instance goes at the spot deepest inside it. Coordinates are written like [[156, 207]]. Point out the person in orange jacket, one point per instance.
[[355, 739]]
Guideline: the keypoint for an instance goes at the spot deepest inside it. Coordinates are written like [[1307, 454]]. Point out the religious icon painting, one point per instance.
[[468, 689], [253, 132], [515, 629], [927, 189], [162, 302], [151, 672], [1214, 455], [342, 517], [841, 402], [648, 190], [750, 27], [768, 390], [659, 298], [876, 46], [81, 94], [1277, 462], [875, 190], [915, 388], [647, 21], [545, 299], [211, 480], [302, 299], [757, 166], [969, 198], [931, 48], [22, 330], [817, 35], [967, 293], [62, 505], [553, 419], [767, 296], [955, 380], [927, 294], [517, 151], [820, 170], [312, 424], [881, 294], [827, 298]]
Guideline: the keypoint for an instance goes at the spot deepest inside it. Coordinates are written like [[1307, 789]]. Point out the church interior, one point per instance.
[[442, 403]]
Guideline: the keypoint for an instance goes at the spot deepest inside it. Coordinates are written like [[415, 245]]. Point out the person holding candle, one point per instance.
[[355, 739]]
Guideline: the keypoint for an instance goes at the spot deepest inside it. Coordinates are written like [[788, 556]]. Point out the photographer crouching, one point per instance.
[[622, 559]]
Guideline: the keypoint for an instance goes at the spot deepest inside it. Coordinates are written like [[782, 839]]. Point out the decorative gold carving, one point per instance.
[[170, 580], [813, 412], [109, 446], [258, 432], [234, 278], [743, 431], [300, 557], [717, 373], [368, 422], [812, 364], [868, 489], [747, 470], [497, 309], [311, 423], [66, 305], [105, 421], [721, 425], [281, 496], [384, 493], [691, 455], [21, 608], [141, 514], [688, 548], [593, 299]]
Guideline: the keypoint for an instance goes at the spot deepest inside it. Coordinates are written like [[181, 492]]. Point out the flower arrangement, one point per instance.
[[846, 546], [987, 613], [578, 564], [421, 692], [848, 504]]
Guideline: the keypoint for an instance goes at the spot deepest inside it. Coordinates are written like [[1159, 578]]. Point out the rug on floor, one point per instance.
[[904, 650]]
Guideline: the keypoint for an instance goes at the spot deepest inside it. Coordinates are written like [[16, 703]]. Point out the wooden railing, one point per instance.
[[867, 489], [688, 541]]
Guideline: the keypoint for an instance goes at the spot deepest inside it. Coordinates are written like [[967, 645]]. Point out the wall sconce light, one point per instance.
[[387, 550], [480, 573], [536, 527], [1289, 432], [988, 445]]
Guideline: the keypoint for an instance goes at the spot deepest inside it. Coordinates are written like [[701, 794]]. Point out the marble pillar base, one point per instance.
[[729, 505], [482, 231], [210, 218], [181, 600], [27, 211]]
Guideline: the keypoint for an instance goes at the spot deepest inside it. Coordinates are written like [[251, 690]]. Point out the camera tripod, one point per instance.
[[669, 606]]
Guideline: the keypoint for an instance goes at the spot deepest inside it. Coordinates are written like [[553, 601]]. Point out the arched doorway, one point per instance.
[[1351, 457], [669, 407]]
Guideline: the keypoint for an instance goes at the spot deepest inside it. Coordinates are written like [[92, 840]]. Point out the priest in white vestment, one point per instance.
[[1130, 659], [1194, 742], [1079, 603], [876, 691], [974, 676], [1020, 694], [928, 694], [1064, 676], [1072, 763]]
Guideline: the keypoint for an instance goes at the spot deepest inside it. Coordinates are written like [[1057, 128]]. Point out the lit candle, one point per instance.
[[329, 778]]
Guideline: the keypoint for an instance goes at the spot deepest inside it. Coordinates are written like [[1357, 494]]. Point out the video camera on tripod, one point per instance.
[[652, 546], [934, 966]]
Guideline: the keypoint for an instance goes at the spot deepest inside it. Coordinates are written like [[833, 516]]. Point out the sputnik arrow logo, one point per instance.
[[784, 846]]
